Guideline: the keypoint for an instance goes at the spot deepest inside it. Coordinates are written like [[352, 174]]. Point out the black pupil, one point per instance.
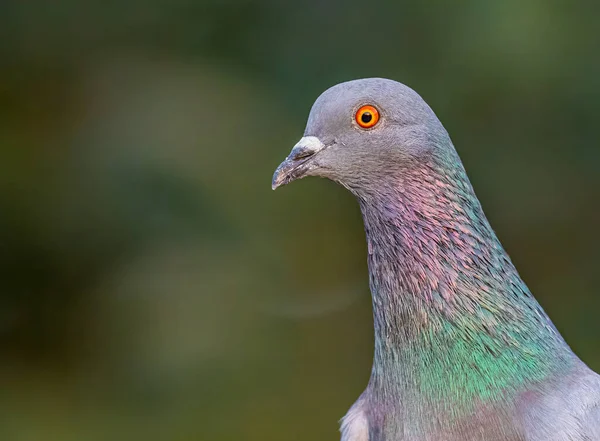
[[366, 117]]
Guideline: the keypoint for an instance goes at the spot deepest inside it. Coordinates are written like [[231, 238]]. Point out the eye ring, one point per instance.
[[367, 116]]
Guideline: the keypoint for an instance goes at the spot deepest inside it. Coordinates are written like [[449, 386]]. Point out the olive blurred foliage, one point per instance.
[[154, 287]]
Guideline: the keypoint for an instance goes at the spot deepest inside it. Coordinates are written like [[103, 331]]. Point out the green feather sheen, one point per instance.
[[454, 323]]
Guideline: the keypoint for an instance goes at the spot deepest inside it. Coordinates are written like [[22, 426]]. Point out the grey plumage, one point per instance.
[[463, 351]]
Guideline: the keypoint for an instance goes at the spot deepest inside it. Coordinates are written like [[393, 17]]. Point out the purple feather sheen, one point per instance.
[[433, 255], [456, 329]]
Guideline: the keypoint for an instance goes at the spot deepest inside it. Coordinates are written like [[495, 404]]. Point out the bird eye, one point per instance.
[[367, 116]]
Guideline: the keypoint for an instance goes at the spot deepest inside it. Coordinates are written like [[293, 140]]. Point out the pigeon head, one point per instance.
[[361, 131]]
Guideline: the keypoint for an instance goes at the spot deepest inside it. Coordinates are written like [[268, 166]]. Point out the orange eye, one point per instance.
[[367, 117]]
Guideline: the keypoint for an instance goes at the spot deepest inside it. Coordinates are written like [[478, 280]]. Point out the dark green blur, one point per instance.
[[154, 288]]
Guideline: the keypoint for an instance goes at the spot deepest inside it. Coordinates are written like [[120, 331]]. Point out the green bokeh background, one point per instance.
[[154, 288]]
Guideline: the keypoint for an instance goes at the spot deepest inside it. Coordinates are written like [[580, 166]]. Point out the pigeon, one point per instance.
[[462, 351]]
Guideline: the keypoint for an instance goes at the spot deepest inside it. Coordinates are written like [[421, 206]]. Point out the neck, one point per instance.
[[452, 317]]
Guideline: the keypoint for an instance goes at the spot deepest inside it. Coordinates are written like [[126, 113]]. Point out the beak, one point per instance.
[[295, 165]]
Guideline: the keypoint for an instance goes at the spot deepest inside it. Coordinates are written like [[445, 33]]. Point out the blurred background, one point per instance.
[[152, 285]]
